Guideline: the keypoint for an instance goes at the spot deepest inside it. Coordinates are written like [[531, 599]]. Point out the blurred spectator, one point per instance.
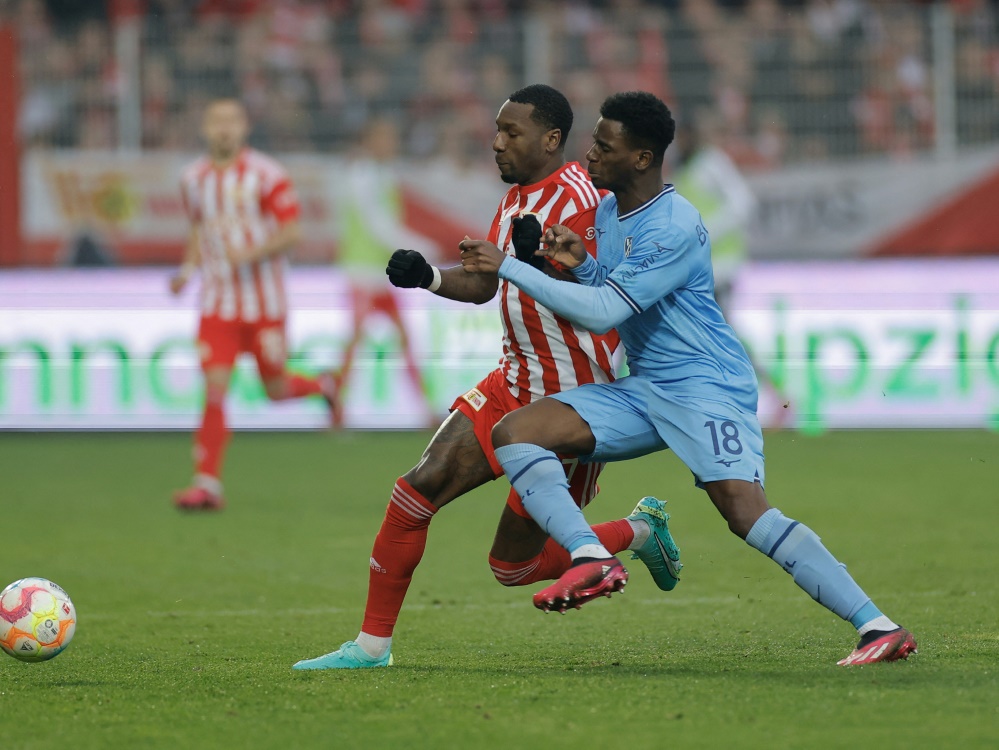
[[894, 109], [786, 79], [977, 82], [705, 175]]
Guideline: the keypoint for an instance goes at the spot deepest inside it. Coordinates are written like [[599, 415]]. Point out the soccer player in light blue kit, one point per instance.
[[691, 388]]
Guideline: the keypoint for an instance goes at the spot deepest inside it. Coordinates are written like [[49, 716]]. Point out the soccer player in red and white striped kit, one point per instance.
[[244, 219], [543, 353]]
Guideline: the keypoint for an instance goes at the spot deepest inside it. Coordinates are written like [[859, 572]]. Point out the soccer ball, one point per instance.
[[37, 619]]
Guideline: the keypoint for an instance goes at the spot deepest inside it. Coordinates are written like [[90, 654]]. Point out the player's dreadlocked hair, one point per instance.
[[645, 119], [551, 108]]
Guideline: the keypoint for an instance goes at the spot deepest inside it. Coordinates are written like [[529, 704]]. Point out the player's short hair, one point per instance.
[[551, 108], [645, 119], [225, 99]]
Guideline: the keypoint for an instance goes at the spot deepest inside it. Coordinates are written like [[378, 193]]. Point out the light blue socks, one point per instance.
[[539, 478], [798, 550]]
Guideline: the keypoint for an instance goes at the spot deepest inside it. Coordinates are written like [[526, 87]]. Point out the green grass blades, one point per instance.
[[189, 624]]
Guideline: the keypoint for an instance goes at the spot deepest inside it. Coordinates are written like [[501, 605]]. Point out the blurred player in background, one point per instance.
[[707, 177], [691, 389], [543, 353], [371, 226], [244, 219]]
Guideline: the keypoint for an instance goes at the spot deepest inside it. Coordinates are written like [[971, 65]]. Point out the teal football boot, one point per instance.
[[348, 656], [659, 553]]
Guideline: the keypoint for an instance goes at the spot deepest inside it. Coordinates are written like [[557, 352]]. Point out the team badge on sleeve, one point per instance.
[[627, 246], [476, 399]]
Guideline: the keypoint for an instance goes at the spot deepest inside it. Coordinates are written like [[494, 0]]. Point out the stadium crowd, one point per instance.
[[775, 81]]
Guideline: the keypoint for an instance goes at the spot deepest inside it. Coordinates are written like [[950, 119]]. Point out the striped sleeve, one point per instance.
[[595, 308]]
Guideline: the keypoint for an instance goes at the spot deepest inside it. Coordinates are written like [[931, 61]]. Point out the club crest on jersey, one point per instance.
[[627, 246], [476, 399]]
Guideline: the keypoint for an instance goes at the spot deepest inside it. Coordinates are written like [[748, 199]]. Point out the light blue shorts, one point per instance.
[[631, 417]]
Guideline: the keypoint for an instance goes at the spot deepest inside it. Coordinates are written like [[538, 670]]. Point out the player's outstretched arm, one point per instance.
[[477, 288], [596, 309], [408, 269]]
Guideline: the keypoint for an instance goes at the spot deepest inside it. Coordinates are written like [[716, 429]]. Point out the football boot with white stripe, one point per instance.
[[659, 553]]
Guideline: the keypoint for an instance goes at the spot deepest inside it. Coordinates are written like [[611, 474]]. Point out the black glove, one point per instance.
[[526, 238], [408, 269]]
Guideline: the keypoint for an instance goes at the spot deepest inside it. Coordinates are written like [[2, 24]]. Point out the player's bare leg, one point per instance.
[[288, 386], [361, 308], [800, 552], [271, 352], [367, 302], [452, 464], [523, 554], [205, 492], [518, 540], [387, 303]]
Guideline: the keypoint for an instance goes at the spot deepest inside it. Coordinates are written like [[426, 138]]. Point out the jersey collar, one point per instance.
[[667, 188], [553, 177]]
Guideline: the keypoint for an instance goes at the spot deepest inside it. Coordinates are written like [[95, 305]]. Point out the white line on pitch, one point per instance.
[[663, 601]]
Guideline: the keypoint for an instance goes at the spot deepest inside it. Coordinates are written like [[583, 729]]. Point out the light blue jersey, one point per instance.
[[691, 387], [658, 259], [652, 281]]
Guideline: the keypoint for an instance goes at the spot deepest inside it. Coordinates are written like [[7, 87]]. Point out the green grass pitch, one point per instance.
[[188, 625]]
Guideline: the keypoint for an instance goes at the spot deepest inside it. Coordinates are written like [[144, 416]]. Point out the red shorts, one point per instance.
[[491, 400], [221, 341]]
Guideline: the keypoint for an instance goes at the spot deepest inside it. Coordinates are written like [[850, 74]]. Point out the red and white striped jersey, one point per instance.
[[241, 205], [543, 353]]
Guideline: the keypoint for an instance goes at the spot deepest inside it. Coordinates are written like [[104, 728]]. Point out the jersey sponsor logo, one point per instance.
[[641, 265], [591, 233], [476, 399], [373, 564], [728, 463], [702, 232], [627, 246], [238, 193]]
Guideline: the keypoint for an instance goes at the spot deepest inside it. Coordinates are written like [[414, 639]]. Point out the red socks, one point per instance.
[[213, 435], [397, 551], [554, 560], [298, 386], [210, 441]]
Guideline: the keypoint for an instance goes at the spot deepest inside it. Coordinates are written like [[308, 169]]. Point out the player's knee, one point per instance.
[[428, 479], [275, 389], [214, 394], [740, 504], [738, 527], [504, 432]]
